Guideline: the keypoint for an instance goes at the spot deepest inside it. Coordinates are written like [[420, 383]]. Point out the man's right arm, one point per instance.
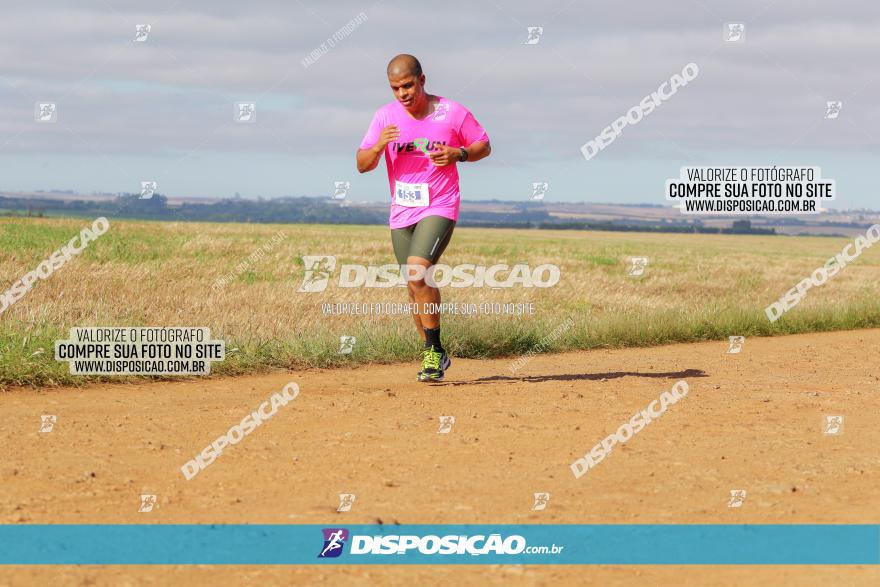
[[368, 159]]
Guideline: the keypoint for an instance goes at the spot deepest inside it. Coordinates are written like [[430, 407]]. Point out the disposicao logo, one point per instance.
[[334, 540], [320, 268]]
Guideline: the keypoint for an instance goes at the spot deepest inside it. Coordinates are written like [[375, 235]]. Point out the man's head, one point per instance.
[[407, 81]]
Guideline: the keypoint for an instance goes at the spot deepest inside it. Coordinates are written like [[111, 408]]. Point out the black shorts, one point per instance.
[[427, 239]]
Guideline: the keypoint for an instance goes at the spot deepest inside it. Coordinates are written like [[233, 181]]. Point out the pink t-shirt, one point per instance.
[[409, 169]]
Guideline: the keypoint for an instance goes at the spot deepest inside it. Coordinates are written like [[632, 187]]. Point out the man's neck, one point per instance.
[[424, 110]]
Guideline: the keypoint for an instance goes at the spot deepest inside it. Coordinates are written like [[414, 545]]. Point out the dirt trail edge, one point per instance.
[[751, 421]]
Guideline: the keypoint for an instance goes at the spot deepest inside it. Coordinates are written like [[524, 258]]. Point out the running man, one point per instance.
[[334, 542], [424, 187]]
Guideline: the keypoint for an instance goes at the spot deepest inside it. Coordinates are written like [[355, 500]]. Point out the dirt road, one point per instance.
[[752, 421]]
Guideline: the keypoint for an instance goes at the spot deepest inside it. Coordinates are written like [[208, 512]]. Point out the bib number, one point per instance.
[[412, 195]]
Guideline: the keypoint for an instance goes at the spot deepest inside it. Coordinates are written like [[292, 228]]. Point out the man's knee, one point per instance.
[[416, 286], [414, 270], [415, 273]]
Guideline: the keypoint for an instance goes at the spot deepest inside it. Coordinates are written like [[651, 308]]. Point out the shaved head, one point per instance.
[[404, 64]]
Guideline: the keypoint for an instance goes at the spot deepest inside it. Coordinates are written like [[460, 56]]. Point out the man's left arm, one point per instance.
[[478, 150], [446, 155], [475, 143]]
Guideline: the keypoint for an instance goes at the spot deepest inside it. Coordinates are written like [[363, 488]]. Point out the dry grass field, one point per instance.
[[695, 287]]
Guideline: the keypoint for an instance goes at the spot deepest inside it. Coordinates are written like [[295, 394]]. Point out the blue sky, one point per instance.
[[163, 109]]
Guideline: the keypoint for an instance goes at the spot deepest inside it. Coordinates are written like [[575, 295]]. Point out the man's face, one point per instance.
[[408, 89]]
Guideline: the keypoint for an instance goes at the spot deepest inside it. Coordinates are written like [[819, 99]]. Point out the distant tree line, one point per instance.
[[738, 227], [302, 210]]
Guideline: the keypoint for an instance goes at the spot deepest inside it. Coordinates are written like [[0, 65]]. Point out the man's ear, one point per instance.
[[422, 80]]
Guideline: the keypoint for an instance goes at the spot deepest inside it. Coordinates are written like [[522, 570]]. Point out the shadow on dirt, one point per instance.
[[581, 377]]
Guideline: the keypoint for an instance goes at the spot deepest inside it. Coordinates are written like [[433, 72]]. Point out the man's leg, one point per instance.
[[401, 240], [417, 317], [430, 237], [426, 297]]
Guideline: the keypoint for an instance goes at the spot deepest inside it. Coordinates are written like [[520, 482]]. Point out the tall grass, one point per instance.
[[696, 287]]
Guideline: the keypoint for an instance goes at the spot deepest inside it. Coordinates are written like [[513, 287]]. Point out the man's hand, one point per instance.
[[368, 159], [388, 134], [444, 155]]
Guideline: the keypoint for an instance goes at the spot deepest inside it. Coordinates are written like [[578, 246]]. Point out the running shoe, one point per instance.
[[434, 365]]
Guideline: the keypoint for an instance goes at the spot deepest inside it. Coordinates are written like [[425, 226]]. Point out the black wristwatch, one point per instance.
[[464, 153]]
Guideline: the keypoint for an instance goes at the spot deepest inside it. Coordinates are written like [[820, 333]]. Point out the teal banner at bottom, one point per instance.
[[568, 544]]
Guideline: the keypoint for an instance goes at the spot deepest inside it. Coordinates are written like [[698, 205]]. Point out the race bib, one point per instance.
[[413, 195]]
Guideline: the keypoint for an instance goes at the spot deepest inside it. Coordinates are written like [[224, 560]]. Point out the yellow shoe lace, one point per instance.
[[431, 359]]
